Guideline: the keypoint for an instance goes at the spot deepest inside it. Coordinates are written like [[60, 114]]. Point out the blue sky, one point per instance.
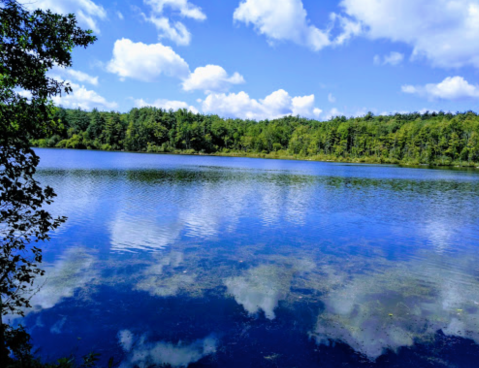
[[270, 58]]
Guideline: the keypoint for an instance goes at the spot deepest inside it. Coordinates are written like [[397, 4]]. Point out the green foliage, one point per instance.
[[31, 44], [435, 139]]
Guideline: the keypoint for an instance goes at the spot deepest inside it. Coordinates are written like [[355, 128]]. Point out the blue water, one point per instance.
[[235, 262]]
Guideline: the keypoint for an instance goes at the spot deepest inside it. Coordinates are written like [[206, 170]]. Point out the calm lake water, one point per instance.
[[235, 262]]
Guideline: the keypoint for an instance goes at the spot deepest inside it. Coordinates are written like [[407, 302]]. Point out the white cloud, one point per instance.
[[304, 106], [276, 105], [120, 15], [443, 31], [145, 62], [175, 31], [334, 112], [394, 58], [184, 7], [86, 11], [166, 105], [141, 353], [84, 99], [288, 21], [451, 88], [211, 78], [331, 98], [58, 73]]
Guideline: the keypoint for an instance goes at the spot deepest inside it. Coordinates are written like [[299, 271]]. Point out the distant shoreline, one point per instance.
[[278, 157], [431, 140]]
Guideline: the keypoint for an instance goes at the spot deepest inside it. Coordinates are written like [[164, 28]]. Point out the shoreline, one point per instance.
[[269, 156]]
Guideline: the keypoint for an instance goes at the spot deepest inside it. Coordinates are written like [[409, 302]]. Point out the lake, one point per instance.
[[234, 262]]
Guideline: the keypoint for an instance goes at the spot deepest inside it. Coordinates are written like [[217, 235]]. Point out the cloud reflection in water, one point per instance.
[[142, 353]]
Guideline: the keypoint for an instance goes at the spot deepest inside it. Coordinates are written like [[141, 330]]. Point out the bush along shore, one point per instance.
[[434, 139]]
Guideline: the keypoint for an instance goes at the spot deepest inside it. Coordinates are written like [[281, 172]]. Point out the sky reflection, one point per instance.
[[344, 254]]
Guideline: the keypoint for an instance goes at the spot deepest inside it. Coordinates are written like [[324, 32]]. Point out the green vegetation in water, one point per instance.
[[435, 139]]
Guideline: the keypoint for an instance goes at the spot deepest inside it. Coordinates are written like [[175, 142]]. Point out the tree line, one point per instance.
[[438, 139]]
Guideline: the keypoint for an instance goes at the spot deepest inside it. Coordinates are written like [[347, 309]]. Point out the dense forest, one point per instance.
[[440, 139]]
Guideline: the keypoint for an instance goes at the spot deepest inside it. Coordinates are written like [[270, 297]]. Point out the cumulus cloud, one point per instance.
[[394, 58], [443, 31], [334, 112], [141, 353], [276, 105], [59, 73], [175, 31], [87, 12], [84, 99], [184, 7], [166, 105], [451, 88], [288, 21], [146, 62], [211, 78]]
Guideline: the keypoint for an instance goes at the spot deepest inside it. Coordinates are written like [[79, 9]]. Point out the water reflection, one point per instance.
[[142, 353], [171, 253], [157, 282], [406, 303], [73, 270]]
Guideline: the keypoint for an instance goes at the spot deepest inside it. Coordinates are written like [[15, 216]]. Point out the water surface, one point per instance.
[[214, 262]]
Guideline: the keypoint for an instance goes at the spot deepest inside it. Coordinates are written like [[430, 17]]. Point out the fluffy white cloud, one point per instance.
[[288, 21], [146, 62], [334, 112], [304, 106], [394, 58], [276, 105], [175, 31], [166, 105], [84, 99], [211, 78], [451, 88], [86, 11], [443, 31], [59, 73], [331, 98], [184, 7]]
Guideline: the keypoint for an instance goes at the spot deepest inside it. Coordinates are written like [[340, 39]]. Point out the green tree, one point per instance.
[[31, 44]]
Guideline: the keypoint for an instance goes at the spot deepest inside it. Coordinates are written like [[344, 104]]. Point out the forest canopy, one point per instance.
[[438, 139]]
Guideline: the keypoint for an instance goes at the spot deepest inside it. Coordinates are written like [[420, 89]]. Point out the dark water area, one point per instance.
[[236, 262]]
